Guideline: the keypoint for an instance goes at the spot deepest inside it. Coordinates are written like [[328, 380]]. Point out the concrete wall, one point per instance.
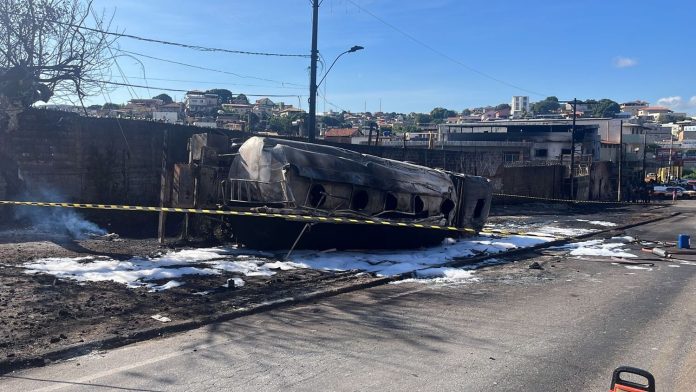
[[96, 160]]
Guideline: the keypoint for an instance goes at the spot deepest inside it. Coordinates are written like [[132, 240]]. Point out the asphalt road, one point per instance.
[[564, 328]]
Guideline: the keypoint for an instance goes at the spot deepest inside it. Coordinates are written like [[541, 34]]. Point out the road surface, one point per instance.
[[563, 328]]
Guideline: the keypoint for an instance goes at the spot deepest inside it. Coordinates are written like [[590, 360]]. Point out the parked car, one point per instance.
[[665, 192]]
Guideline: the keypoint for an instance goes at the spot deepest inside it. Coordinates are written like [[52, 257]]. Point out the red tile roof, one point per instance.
[[342, 132]]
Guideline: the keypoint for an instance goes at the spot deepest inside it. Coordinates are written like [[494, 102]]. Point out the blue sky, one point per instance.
[[421, 54]]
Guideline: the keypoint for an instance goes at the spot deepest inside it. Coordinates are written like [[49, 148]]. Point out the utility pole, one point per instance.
[[618, 197], [312, 121], [572, 151], [669, 169], [644, 145]]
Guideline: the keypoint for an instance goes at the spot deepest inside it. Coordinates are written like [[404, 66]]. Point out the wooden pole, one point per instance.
[[620, 160], [164, 186]]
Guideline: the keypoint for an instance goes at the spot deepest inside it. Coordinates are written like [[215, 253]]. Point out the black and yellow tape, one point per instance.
[[293, 217]]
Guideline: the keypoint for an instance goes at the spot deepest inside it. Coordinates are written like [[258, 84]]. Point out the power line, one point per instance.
[[180, 90], [220, 83], [162, 42], [209, 69], [442, 54]]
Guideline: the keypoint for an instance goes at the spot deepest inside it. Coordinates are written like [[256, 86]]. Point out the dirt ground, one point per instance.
[[42, 314]]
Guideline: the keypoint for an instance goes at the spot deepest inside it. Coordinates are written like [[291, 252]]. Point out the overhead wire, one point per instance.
[[162, 42], [209, 69], [443, 54], [220, 83], [180, 90]]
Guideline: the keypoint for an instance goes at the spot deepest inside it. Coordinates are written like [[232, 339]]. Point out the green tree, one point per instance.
[[439, 115], [241, 98], [606, 108], [548, 105], [224, 95], [466, 112], [111, 106], [165, 98], [503, 106], [331, 121], [421, 118]]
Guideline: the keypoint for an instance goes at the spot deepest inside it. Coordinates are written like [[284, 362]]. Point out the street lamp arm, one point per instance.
[[351, 50]]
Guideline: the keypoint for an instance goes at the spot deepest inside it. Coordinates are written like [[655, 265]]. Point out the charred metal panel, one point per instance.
[[208, 187], [183, 186], [220, 143]]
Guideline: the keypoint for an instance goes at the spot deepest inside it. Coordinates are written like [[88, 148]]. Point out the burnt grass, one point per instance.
[[42, 314]]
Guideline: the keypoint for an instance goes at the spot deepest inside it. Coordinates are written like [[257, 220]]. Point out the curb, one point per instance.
[[7, 366]]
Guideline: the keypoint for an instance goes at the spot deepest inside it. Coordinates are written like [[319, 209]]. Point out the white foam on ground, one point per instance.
[[638, 267], [389, 263], [141, 272], [597, 248], [598, 223], [559, 231]]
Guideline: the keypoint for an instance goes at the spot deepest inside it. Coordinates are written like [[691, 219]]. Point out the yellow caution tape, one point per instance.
[[293, 217]]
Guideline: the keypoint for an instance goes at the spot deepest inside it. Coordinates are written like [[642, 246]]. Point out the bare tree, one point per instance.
[[47, 50]]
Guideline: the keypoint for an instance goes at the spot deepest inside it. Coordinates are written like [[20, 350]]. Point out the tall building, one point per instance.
[[519, 105]]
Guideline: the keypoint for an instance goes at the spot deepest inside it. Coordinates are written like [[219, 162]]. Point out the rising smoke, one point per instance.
[[66, 221]]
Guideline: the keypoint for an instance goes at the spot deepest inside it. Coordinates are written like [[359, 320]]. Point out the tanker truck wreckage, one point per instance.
[[278, 176]]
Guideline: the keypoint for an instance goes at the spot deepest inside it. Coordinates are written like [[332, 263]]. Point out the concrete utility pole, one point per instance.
[[312, 121], [644, 148], [618, 196], [572, 151]]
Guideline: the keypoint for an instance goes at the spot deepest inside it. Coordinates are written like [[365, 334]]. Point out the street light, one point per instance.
[[312, 120], [351, 50]]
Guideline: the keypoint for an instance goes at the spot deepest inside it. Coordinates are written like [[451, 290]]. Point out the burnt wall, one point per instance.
[[96, 160]]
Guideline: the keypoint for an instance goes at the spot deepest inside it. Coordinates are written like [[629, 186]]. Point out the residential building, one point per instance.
[[239, 109], [198, 102], [342, 135], [519, 106], [290, 111], [633, 107], [169, 113]]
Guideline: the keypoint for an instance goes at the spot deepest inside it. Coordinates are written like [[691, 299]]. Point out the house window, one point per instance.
[[565, 151], [541, 153], [511, 156]]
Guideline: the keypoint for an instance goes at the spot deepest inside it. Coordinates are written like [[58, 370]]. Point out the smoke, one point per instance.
[[65, 221]]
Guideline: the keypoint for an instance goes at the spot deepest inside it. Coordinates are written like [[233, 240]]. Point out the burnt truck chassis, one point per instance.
[[291, 177]]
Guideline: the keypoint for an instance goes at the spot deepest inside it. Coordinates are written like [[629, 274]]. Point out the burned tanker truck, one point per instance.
[[293, 194]]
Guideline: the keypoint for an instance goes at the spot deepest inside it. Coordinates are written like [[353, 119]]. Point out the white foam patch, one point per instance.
[[597, 248], [389, 263], [598, 223], [638, 267], [442, 275], [140, 272], [560, 231]]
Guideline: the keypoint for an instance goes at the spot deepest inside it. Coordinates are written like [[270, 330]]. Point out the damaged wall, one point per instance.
[[96, 160]]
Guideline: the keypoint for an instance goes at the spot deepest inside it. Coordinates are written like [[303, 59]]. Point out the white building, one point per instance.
[[519, 105], [199, 102]]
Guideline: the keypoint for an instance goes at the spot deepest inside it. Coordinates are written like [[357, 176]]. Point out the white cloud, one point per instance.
[[678, 103], [625, 62], [671, 102]]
